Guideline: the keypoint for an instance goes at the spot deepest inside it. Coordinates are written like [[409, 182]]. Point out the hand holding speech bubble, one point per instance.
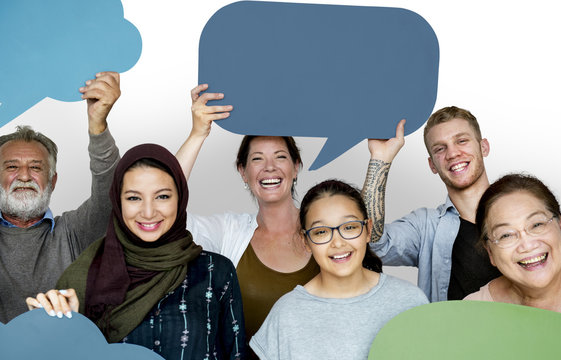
[[50, 48], [470, 330], [342, 72], [36, 335]]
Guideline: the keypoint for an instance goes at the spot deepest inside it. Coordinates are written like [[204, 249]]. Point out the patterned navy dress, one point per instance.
[[202, 319]]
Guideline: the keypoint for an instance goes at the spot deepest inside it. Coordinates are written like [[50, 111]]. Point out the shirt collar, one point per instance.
[[448, 206], [48, 216]]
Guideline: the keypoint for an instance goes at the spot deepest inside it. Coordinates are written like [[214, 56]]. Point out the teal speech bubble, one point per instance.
[[470, 330], [36, 335], [342, 72], [50, 48]]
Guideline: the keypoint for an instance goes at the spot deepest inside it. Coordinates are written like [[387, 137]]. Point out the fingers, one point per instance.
[[32, 303], [106, 87], [400, 129], [55, 302], [196, 90]]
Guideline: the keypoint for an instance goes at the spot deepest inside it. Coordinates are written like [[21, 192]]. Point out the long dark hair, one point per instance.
[[336, 187]]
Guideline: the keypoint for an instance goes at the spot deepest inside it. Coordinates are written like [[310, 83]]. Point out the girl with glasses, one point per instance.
[[518, 222], [350, 299]]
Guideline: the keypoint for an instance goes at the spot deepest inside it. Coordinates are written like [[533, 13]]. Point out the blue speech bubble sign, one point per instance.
[[469, 330], [36, 335], [342, 72], [50, 48]]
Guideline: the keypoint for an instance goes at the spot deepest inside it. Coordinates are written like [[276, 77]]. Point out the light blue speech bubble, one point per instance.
[[36, 335], [342, 72], [50, 48], [466, 330]]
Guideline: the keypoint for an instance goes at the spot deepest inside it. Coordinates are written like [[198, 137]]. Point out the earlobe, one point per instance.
[[242, 173], [368, 226], [485, 147], [431, 165], [53, 181], [306, 245]]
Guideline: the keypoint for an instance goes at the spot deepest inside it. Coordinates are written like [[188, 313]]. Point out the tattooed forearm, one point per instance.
[[374, 193]]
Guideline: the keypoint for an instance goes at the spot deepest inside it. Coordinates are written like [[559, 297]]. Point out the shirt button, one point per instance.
[[157, 342]]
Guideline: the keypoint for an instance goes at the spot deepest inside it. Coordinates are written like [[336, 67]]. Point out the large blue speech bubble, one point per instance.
[[342, 72], [50, 48], [466, 330], [36, 335]]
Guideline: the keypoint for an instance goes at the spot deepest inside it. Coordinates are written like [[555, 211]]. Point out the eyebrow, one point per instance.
[[537, 212], [139, 192], [18, 161], [351, 217], [456, 136], [261, 152]]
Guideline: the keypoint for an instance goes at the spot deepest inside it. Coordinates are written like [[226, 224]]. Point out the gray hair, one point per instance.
[[27, 134]]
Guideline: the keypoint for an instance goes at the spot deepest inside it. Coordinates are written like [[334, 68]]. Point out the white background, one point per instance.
[[499, 59]]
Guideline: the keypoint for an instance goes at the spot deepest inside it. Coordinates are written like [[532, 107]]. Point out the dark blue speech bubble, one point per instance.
[[50, 48], [342, 72], [36, 335]]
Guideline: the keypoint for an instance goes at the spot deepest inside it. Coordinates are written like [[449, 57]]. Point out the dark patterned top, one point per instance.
[[201, 319]]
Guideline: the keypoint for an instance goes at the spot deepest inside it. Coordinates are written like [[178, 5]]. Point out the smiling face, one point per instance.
[[338, 258], [269, 170], [534, 262], [148, 202], [26, 186], [456, 154]]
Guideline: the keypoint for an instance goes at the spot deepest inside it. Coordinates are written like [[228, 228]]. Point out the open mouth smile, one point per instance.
[[533, 262], [459, 167], [149, 226], [269, 183], [341, 257]]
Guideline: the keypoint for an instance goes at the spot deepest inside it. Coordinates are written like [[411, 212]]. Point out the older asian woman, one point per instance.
[[147, 270], [518, 218]]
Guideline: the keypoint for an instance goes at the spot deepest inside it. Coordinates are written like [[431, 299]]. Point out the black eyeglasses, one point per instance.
[[348, 230]]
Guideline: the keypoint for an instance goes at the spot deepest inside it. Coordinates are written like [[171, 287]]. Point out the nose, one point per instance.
[[452, 151], [337, 241], [527, 242], [148, 210], [23, 174], [269, 164]]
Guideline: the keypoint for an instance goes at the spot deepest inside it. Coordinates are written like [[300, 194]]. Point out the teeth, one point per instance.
[[533, 260], [337, 257], [150, 226], [459, 167], [270, 182]]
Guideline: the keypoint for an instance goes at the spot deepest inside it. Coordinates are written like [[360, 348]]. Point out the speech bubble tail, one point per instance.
[[333, 148]]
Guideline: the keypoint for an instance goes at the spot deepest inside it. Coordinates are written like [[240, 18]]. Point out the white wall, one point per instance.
[[499, 59]]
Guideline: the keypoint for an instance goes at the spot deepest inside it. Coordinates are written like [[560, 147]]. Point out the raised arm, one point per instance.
[[101, 94], [203, 116], [382, 153]]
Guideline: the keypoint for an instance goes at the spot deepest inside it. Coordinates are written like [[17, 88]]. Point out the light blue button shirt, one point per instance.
[[48, 216], [424, 239]]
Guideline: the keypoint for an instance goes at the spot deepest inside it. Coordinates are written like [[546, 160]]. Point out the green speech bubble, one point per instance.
[[470, 330]]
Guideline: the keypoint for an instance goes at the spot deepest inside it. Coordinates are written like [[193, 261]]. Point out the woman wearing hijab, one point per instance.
[[147, 270]]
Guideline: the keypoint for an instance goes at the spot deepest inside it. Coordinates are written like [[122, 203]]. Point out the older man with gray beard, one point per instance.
[[35, 246]]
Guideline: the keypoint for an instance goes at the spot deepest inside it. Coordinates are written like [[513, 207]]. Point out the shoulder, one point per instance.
[[402, 290]]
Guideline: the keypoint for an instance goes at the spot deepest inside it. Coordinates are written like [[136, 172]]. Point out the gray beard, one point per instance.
[[25, 205]]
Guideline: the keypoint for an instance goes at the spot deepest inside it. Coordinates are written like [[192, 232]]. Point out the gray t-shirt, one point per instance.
[[304, 326]]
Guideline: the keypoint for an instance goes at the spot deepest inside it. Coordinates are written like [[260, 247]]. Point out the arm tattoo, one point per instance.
[[374, 193]]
